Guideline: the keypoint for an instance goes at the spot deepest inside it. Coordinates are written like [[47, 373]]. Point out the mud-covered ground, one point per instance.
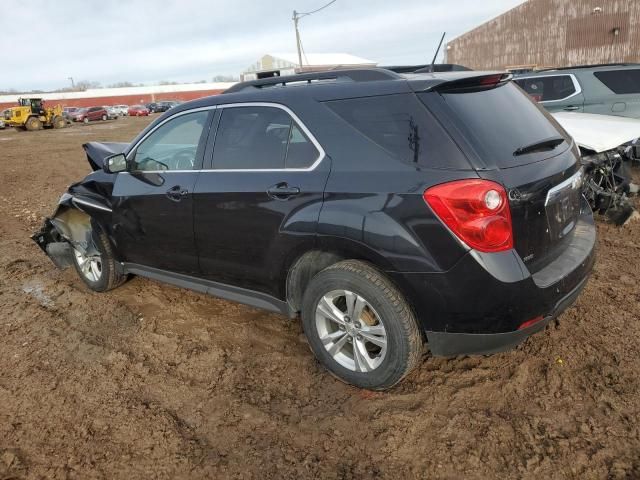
[[151, 381]]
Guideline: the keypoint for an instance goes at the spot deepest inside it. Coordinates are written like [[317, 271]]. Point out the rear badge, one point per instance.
[[528, 257], [514, 194]]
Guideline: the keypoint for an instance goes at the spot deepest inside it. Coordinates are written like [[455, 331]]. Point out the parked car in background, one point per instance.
[[164, 105], [122, 110], [385, 209], [67, 113], [90, 114], [151, 107], [138, 111], [112, 113], [603, 89]]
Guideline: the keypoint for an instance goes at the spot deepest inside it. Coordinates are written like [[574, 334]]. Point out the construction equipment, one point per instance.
[[31, 114]]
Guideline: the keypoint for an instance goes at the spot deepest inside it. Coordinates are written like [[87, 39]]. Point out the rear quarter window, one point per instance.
[[620, 81], [401, 125]]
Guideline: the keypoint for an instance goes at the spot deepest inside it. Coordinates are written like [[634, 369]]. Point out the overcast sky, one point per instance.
[[145, 41]]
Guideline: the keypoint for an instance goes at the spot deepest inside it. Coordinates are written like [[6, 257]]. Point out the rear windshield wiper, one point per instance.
[[542, 145]]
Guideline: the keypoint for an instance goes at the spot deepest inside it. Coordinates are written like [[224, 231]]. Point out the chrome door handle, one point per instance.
[[176, 193], [282, 191]]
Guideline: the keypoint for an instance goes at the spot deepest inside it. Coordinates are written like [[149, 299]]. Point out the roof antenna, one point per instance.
[[433, 62]]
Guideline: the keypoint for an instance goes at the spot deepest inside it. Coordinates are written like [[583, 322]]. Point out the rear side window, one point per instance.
[[260, 138], [500, 120], [401, 125], [544, 89], [620, 81]]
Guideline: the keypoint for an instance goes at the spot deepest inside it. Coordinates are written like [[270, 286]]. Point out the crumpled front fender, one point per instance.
[[68, 229]]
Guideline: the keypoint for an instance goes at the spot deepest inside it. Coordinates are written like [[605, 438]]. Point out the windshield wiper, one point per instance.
[[542, 145]]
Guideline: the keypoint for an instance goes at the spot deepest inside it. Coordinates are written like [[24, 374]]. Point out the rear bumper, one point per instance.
[[447, 344], [477, 306]]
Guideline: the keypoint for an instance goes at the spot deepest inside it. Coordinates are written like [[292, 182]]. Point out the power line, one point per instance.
[[314, 11], [296, 17]]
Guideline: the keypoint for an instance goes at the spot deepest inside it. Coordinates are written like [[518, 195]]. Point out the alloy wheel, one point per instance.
[[351, 330], [89, 266]]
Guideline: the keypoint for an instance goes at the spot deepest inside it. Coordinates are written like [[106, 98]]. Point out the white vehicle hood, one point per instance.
[[598, 132]]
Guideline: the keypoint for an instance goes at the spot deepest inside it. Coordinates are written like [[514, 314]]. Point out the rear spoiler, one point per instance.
[[473, 83], [456, 82]]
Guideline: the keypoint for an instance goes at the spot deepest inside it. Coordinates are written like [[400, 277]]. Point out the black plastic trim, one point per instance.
[[448, 344], [228, 292]]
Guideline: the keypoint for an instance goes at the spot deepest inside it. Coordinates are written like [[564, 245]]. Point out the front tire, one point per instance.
[[98, 272], [59, 122], [360, 327], [33, 123], [85, 120]]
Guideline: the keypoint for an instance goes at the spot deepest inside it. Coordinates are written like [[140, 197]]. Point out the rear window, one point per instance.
[[402, 126], [620, 81], [500, 120], [544, 89]]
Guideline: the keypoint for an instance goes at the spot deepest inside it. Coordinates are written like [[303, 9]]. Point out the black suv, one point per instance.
[[386, 209]]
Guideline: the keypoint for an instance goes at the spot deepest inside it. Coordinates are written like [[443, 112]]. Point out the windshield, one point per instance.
[[501, 121]]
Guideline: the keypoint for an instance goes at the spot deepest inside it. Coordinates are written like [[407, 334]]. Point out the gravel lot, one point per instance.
[[151, 381]]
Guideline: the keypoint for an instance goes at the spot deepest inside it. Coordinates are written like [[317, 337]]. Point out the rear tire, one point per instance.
[[377, 348], [100, 272], [33, 123], [104, 118]]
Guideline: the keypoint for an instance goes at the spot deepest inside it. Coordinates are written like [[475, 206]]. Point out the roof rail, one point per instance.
[[595, 65], [354, 75]]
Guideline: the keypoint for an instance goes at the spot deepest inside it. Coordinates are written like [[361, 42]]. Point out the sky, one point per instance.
[[147, 41]]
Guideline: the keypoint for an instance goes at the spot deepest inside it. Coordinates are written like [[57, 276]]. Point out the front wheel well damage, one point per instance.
[[69, 228]]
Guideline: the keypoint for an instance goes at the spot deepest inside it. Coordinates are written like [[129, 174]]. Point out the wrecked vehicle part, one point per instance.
[[608, 145], [607, 182], [98, 151], [70, 228], [599, 133], [82, 211]]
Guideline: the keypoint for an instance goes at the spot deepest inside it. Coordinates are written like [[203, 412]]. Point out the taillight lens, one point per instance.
[[476, 211]]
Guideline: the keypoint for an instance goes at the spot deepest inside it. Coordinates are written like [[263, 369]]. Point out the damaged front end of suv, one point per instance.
[[82, 211]]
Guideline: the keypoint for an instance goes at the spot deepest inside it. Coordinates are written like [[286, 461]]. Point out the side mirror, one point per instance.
[[115, 163]]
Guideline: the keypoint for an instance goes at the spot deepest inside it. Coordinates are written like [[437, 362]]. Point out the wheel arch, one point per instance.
[[306, 265]]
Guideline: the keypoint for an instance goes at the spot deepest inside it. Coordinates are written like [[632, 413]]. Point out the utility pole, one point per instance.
[[295, 23], [296, 17], [73, 85]]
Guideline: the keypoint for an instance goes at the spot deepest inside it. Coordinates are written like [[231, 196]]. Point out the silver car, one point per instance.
[[604, 89]]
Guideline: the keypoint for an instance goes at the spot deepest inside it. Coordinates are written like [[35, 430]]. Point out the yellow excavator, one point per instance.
[[31, 114]]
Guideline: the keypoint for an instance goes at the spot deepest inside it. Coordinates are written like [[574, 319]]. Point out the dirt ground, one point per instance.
[[151, 381]]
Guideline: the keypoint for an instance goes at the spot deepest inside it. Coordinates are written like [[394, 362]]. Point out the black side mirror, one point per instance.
[[115, 163]]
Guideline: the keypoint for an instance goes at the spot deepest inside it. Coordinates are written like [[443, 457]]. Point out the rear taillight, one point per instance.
[[476, 211]]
